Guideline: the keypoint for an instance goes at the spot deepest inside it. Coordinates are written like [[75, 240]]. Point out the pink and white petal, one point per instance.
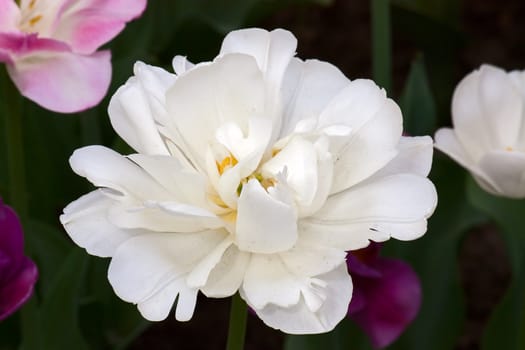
[[227, 276], [447, 142], [63, 81], [142, 267], [104, 167], [264, 224], [370, 147], [414, 156], [9, 16], [381, 203], [300, 319], [87, 25], [135, 107], [308, 87], [231, 89], [86, 222], [507, 170]]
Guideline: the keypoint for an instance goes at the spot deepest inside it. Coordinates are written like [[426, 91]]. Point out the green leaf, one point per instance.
[[506, 326], [417, 101], [58, 314]]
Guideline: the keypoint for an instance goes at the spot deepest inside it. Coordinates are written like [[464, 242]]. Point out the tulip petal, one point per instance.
[[11, 234], [9, 16], [307, 89], [86, 222], [137, 105], [336, 288], [394, 206], [414, 157], [17, 291], [63, 81], [391, 301], [370, 147], [264, 223], [227, 276], [87, 25], [507, 169], [143, 266], [447, 142], [208, 96]]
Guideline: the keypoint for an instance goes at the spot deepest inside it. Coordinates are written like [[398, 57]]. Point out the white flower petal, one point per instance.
[[185, 185], [299, 319], [272, 51], [306, 259], [85, 220], [378, 206], [447, 142], [163, 217], [136, 105], [507, 169], [226, 277], [370, 147], [307, 89], [199, 275], [264, 224], [104, 167], [414, 156], [502, 105], [181, 64], [158, 306], [204, 98], [299, 158], [143, 266]]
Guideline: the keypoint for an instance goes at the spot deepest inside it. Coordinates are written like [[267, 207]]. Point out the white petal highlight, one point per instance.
[[85, 220], [264, 224], [299, 319]]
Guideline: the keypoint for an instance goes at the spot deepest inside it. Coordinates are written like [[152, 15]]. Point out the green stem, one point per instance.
[[237, 330], [381, 46]]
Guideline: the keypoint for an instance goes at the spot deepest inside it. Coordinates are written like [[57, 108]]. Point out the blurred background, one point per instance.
[[469, 262]]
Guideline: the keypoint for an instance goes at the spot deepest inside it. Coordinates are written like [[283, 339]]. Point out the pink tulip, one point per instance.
[[50, 48], [18, 273], [387, 295]]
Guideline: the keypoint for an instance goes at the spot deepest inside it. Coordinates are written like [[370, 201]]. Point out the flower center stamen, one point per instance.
[[226, 163]]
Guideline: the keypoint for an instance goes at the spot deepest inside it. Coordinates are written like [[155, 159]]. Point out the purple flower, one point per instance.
[[387, 294], [18, 273]]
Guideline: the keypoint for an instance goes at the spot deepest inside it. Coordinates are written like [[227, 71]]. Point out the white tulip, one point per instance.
[[488, 138], [255, 173]]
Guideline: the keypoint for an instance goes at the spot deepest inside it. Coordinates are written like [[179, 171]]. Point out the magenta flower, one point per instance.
[[387, 294], [50, 48], [18, 273]]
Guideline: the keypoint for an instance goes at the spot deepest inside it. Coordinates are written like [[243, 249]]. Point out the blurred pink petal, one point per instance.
[[93, 23], [49, 48], [18, 273], [385, 302]]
